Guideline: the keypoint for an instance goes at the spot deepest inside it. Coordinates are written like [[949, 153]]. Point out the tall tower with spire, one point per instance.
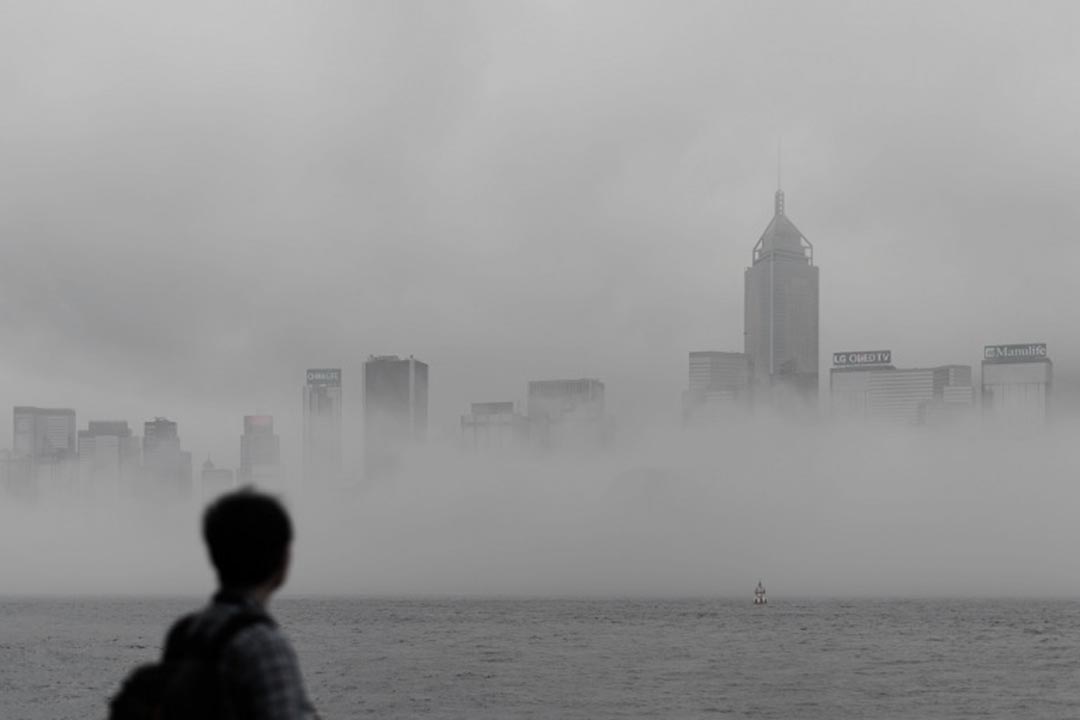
[[781, 315]]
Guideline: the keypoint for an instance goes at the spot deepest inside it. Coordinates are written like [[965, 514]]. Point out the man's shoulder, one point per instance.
[[259, 636]]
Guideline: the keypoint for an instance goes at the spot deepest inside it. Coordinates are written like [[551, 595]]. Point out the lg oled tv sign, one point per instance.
[[871, 357], [1014, 353]]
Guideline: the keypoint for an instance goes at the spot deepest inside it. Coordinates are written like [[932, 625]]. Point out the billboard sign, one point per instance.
[[324, 376], [866, 357], [493, 408], [1015, 353]]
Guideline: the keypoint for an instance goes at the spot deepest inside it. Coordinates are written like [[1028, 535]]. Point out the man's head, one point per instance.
[[248, 535]]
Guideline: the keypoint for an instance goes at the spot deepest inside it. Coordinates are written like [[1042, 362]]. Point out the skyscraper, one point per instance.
[[719, 385], [322, 425], [395, 408], [215, 481], [44, 450], [166, 467], [567, 413], [395, 399], [781, 320], [1016, 384], [493, 426], [44, 434], [260, 451], [108, 457]]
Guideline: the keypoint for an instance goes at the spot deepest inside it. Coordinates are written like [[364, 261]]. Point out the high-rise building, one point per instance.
[[1016, 383], [567, 413], [44, 434], [867, 386], [719, 385], [167, 468], [395, 401], [44, 449], [781, 315], [493, 426], [260, 452], [109, 457], [395, 410], [322, 425], [215, 480]]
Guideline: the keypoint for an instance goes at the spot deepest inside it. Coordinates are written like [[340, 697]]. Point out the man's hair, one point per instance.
[[248, 534]]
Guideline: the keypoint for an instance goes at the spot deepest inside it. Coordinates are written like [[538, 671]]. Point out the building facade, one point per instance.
[[395, 410], [215, 481], [1016, 384], [167, 471], [493, 426], [322, 425], [567, 413], [260, 452], [109, 458], [719, 386], [44, 450], [44, 434], [867, 386], [395, 401], [781, 315]]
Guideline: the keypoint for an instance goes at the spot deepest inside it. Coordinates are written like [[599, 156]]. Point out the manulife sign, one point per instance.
[[1015, 353]]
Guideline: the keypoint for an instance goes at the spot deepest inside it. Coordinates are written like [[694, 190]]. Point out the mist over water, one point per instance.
[[825, 510], [519, 191]]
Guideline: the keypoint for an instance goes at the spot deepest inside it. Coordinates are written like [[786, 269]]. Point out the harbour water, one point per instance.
[[590, 658]]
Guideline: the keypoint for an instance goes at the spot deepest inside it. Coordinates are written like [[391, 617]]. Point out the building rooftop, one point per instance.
[[782, 238]]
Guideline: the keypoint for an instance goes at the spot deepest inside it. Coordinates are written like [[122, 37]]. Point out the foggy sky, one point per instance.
[[200, 200]]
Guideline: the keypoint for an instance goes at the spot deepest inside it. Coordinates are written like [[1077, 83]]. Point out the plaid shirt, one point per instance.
[[259, 671]]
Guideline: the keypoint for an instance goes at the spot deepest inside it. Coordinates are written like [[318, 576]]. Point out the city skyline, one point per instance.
[[195, 259]]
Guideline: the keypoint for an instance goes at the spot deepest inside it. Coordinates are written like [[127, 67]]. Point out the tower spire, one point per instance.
[[779, 163], [779, 206]]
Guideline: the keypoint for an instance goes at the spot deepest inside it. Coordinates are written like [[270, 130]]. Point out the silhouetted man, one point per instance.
[[248, 535]]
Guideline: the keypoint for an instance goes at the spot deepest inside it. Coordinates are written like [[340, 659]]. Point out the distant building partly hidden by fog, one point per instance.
[[260, 454], [322, 426], [867, 386], [167, 471], [781, 316], [215, 481], [567, 413], [719, 386], [44, 453], [110, 457], [494, 426], [1016, 384], [395, 409]]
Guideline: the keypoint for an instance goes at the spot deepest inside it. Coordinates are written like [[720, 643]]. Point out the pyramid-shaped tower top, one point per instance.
[[781, 238]]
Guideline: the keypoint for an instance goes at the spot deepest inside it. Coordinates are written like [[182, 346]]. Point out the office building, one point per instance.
[[109, 458], [493, 426], [44, 449], [260, 452], [1016, 384], [322, 425], [866, 386], [781, 316], [44, 434], [395, 401], [719, 386], [215, 481], [567, 413], [167, 471]]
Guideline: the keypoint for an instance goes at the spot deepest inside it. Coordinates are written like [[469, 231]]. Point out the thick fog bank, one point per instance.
[[832, 511]]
